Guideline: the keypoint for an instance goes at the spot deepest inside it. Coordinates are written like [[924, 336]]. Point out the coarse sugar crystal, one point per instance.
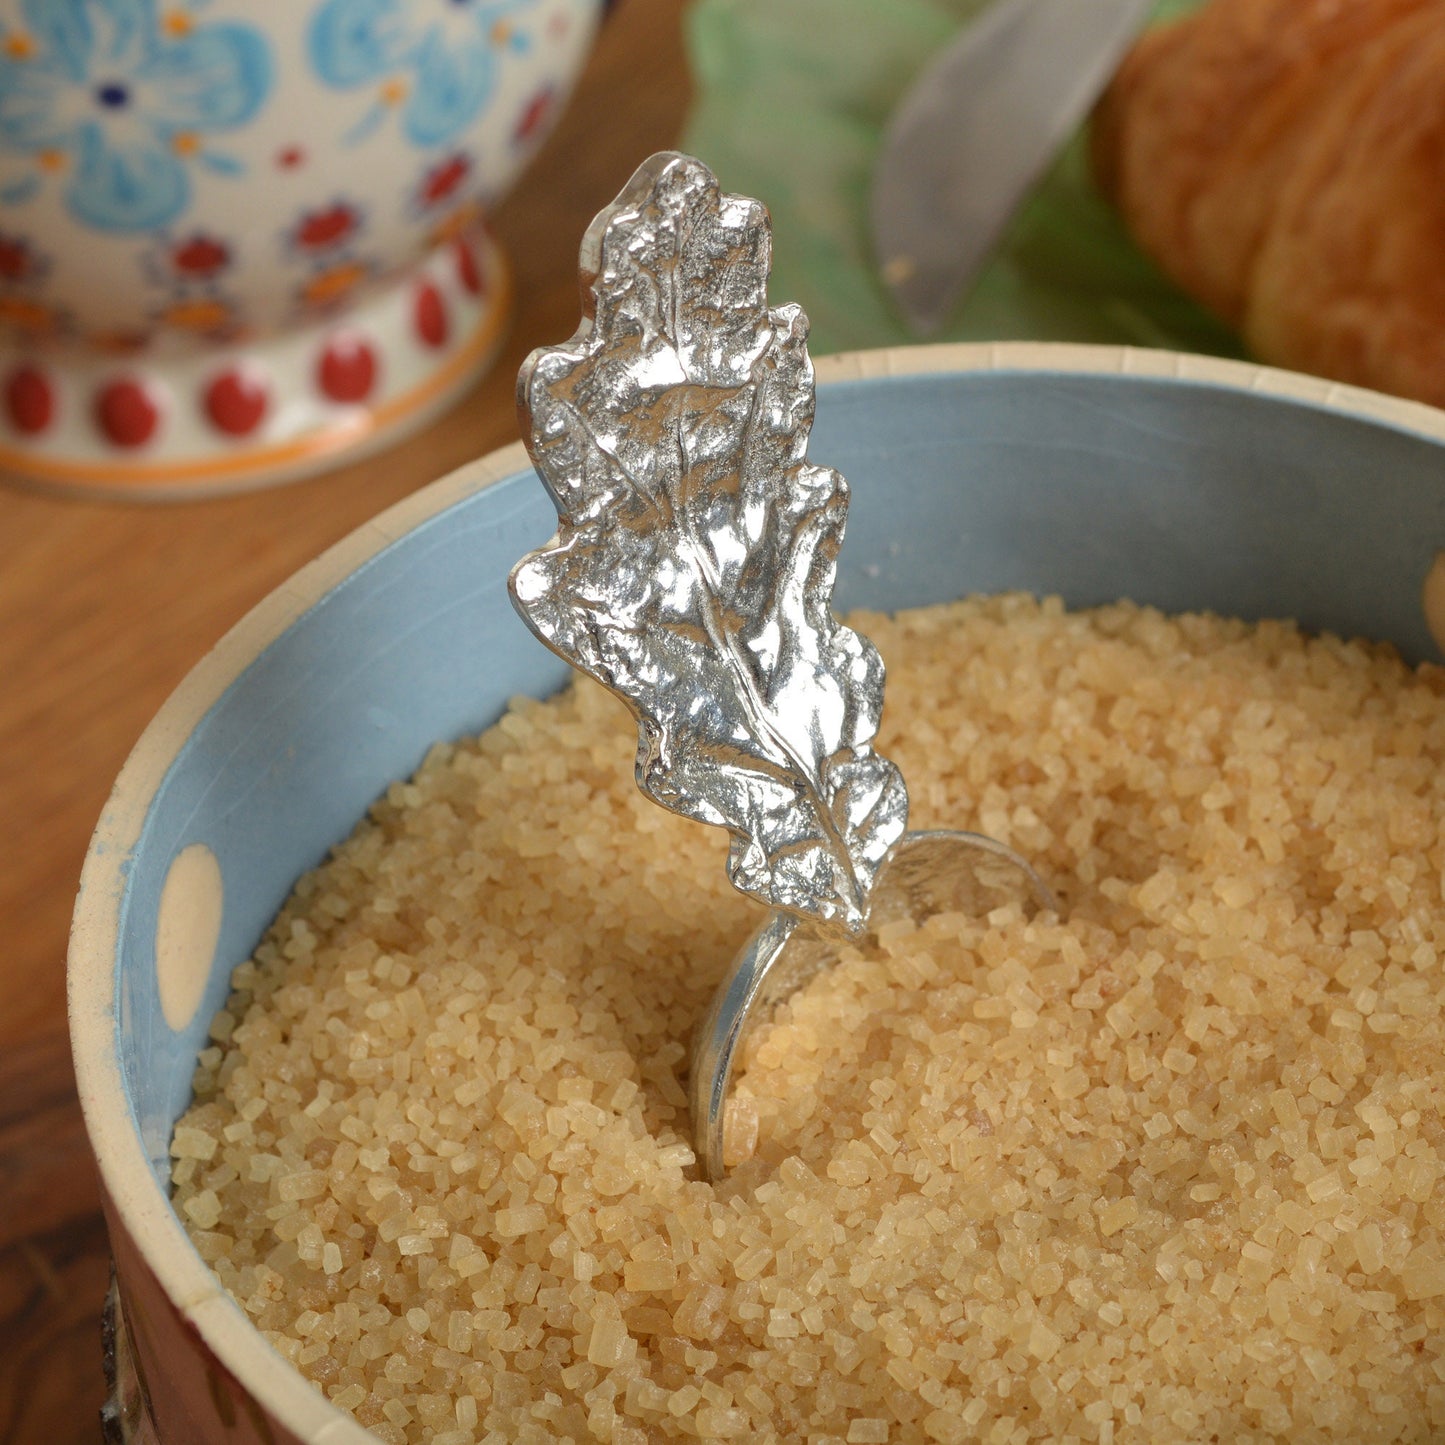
[[1165, 1169]]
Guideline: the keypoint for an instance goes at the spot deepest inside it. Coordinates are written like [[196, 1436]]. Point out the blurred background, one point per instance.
[[1065, 267]]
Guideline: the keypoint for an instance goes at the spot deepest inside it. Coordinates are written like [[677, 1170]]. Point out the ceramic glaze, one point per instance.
[[207, 206], [1090, 473]]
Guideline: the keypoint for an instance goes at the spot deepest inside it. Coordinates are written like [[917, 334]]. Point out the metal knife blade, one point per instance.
[[976, 130]]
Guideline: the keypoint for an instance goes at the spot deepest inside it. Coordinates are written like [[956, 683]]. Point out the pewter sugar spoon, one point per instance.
[[692, 575]]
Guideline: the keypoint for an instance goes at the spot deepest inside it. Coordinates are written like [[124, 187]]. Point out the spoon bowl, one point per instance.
[[938, 871]]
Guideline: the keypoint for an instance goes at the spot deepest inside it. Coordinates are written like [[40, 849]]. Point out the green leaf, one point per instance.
[[780, 117]]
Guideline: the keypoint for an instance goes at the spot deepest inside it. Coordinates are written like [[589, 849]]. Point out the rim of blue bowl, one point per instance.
[[139, 1206]]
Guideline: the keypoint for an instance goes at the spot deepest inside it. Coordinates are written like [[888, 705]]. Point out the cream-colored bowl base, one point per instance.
[[163, 426]]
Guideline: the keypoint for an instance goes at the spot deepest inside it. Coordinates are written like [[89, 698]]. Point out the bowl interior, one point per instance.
[[1180, 494]]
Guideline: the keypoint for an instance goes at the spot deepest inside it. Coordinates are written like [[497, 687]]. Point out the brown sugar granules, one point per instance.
[[1167, 1170]]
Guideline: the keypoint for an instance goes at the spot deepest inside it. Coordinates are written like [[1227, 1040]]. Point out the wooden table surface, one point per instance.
[[103, 609]]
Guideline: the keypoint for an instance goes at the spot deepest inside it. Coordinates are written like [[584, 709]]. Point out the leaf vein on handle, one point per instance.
[[696, 550]]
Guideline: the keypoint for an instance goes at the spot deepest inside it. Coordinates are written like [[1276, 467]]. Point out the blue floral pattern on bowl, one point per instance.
[[440, 71], [120, 101]]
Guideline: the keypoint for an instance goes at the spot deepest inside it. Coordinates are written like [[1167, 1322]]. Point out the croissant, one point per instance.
[[1284, 162]]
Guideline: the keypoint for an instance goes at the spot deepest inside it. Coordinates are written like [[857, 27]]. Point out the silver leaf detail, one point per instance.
[[693, 567]]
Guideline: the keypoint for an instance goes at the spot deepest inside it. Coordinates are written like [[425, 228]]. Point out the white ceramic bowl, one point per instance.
[[239, 236], [1094, 473]]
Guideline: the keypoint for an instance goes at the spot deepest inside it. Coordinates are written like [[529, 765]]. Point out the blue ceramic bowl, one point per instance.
[[1093, 473]]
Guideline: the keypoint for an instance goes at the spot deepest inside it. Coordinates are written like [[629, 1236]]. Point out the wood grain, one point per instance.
[[103, 609], [51, 1289], [46, 1176]]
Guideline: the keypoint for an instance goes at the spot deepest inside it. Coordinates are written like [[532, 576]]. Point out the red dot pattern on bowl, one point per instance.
[[468, 272], [29, 400], [127, 412], [347, 370], [130, 411], [236, 401], [431, 316]]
